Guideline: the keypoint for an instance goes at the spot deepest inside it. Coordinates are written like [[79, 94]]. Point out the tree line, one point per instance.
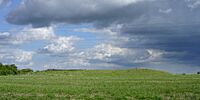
[[12, 70]]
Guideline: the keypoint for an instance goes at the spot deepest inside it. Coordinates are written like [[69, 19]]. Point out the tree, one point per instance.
[[8, 69]]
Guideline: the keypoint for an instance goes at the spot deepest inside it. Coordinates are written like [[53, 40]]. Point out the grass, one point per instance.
[[100, 84]]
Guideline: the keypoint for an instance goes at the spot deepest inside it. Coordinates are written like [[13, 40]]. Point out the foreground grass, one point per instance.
[[101, 84]]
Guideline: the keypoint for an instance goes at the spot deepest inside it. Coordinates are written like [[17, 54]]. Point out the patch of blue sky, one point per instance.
[[33, 45]]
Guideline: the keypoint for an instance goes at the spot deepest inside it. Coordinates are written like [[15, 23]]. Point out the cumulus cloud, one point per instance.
[[108, 53], [10, 42], [17, 56], [105, 55], [60, 45], [26, 35], [33, 34], [4, 35], [22, 56]]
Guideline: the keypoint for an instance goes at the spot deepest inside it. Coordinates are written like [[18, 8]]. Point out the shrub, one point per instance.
[[25, 71], [198, 72], [7, 72], [183, 73], [8, 69]]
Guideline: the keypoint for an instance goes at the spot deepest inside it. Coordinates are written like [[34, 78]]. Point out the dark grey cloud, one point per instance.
[[175, 31], [169, 25], [42, 13]]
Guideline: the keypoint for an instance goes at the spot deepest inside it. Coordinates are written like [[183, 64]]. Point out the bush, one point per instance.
[[8, 69], [198, 72], [25, 71], [7, 72], [184, 74]]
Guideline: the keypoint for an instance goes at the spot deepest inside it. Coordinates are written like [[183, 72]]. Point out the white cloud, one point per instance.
[[165, 11], [117, 55], [152, 55], [4, 34], [194, 4], [27, 35], [33, 34], [107, 56], [16, 55], [22, 56], [105, 51], [106, 31], [155, 54], [60, 45]]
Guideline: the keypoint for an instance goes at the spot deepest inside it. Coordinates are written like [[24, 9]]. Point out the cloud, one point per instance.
[[26, 35], [41, 13], [165, 11], [33, 34], [193, 3], [22, 56], [60, 45], [108, 53], [104, 55], [17, 56], [4, 37], [10, 42]]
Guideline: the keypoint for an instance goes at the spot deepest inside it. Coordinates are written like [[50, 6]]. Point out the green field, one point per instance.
[[100, 84]]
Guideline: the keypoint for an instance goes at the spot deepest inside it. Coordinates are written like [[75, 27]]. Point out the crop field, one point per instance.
[[100, 84]]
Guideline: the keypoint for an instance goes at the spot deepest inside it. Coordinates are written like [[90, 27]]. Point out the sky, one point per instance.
[[101, 34]]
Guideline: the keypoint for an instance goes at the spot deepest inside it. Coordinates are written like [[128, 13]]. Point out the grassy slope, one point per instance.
[[109, 84]]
